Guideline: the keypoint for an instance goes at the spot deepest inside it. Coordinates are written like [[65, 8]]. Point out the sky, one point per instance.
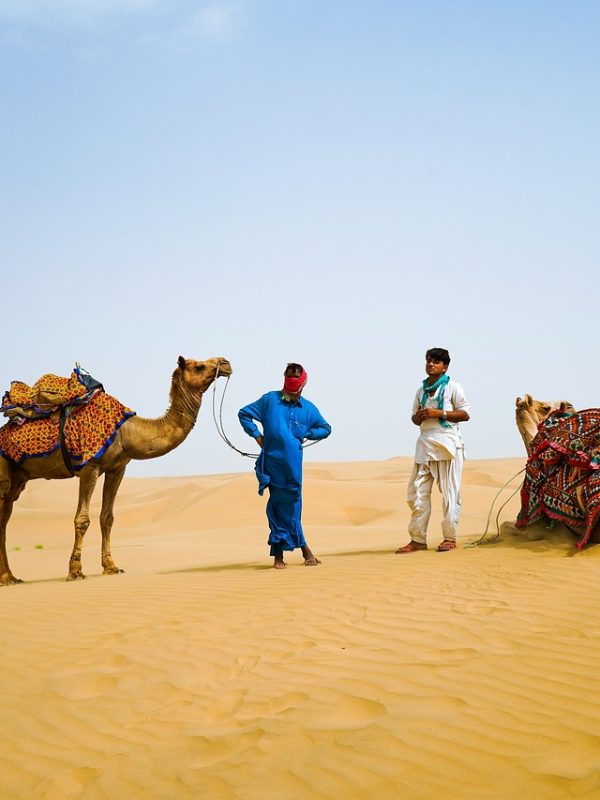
[[341, 184]]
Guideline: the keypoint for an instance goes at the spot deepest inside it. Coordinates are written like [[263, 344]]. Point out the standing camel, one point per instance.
[[137, 438]]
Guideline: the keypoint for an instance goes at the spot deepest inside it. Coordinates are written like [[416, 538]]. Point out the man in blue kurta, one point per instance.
[[287, 420]]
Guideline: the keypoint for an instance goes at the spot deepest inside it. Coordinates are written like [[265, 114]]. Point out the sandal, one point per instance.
[[445, 546], [412, 547]]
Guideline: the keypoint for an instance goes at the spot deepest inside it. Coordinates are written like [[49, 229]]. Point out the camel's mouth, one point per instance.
[[224, 368]]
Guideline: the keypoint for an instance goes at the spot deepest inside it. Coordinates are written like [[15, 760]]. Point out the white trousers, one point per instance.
[[447, 475]]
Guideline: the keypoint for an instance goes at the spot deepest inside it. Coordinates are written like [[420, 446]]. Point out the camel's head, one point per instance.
[[199, 375], [530, 413]]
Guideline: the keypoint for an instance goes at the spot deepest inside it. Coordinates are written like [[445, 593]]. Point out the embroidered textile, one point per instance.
[[563, 473], [46, 395], [89, 430]]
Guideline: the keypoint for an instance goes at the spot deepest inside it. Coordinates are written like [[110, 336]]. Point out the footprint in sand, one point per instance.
[[225, 705], [340, 711]]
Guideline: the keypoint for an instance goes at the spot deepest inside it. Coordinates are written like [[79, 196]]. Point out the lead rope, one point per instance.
[[487, 525], [218, 419]]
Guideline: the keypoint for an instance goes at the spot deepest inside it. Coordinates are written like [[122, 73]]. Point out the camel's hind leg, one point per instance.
[[112, 481], [88, 478], [7, 500]]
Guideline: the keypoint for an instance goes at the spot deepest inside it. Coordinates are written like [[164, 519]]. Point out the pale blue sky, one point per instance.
[[338, 183]]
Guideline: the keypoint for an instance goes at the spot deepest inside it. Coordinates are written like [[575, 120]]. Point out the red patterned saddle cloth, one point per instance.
[[562, 479], [90, 424]]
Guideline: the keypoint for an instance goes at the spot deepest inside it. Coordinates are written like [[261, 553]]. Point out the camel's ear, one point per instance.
[[181, 362], [567, 407], [528, 399]]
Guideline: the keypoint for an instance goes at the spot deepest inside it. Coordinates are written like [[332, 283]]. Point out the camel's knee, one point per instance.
[[82, 523]]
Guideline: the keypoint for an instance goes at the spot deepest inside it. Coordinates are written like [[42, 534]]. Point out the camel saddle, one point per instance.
[[48, 395], [74, 414], [562, 478]]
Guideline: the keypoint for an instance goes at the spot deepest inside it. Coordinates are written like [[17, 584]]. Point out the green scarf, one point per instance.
[[431, 390]]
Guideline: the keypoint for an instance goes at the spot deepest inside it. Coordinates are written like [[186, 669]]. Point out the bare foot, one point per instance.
[[279, 563]]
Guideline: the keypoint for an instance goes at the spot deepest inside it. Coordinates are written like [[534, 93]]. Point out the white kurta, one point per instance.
[[437, 442], [439, 457]]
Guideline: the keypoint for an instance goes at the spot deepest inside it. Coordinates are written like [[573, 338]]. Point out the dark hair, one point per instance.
[[438, 354], [293, 370]]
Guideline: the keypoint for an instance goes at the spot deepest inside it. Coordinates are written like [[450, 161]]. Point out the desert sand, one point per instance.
[[201, 672]]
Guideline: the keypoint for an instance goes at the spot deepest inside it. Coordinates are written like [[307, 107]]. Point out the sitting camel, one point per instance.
[[562, 481], [530, 413], [562, 478], [136, 438]]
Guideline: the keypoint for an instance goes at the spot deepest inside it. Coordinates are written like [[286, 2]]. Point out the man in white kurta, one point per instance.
[[439, 406]]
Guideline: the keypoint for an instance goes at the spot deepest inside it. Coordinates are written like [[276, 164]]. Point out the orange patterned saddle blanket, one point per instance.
[[48, 393], [89, 418]]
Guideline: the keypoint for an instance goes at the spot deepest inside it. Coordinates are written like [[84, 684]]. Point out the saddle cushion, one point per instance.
[[89, 430], [46, 395], [574, 436]]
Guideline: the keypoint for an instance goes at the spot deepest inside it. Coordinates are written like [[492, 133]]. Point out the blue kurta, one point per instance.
[[285, 425]]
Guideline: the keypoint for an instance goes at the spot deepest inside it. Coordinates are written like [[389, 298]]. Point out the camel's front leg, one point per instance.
[[112, 481], [7, 499], [6, 576], [87, 483]]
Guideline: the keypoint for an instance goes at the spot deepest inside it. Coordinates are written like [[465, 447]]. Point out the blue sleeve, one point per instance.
[[319, 428], [249, 413]]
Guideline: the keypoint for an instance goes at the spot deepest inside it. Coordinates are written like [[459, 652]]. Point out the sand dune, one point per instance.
[[203, 673]]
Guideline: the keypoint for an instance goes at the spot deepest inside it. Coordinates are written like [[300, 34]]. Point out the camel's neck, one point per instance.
[[152, 438]]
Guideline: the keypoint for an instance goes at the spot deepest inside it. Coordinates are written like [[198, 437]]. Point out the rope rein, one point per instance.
[[218, 420], [487, 525]]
